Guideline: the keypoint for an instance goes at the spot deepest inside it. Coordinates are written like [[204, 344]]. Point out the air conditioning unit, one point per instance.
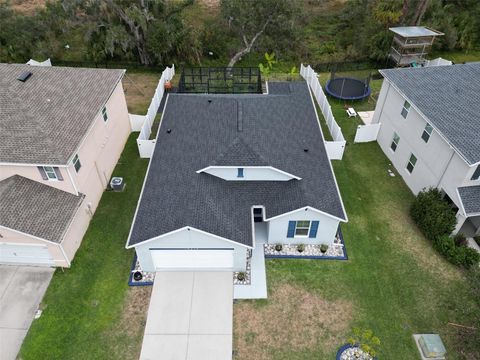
[[117, 184]]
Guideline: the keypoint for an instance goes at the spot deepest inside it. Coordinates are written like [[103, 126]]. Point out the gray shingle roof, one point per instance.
[[449, 97], [239, 153], [279, 127], [35, 208], [43, 120], [470, 196]]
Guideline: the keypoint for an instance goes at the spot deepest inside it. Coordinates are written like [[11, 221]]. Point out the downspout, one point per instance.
[[446, 167]]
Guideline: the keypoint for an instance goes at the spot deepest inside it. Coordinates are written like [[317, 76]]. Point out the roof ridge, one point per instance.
[[239, 146]]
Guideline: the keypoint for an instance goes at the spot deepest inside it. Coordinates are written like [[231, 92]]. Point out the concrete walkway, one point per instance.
[[190, 317], [21, 291]]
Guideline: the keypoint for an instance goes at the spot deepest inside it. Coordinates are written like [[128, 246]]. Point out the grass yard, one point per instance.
[[394, 282]]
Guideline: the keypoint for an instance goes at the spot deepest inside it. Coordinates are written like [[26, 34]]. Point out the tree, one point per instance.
[[251, 19]]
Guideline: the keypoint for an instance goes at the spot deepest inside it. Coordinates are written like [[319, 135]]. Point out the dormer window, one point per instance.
[[239, 172]]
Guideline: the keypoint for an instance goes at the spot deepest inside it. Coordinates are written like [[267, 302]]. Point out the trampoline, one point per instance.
[[347, 88]]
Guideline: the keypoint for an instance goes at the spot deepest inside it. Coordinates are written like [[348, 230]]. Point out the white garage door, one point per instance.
[[195, 259], [19, 254]]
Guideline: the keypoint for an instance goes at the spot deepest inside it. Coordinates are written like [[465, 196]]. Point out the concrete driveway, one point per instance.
[[190, 317], [21, 291]]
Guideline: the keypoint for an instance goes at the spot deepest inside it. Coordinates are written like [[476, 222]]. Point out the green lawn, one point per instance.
[[394, 280], [83, 315]]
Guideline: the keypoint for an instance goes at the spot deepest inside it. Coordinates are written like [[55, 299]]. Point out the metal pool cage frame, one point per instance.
[[220, 80]]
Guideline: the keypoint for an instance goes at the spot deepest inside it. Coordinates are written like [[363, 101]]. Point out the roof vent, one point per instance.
[[306, 149], [209, 101], [169, 131], [24, 76]]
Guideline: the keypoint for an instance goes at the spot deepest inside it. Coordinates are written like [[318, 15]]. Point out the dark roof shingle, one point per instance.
[[470, 196], [449, 97], [35, 208], [44, 119], [276, 130]]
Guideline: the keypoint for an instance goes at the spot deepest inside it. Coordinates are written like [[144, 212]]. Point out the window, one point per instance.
[[427, 132], [476, 174], [240, 172], [76, 163], [104, 114], [405, 109], [50, 172], [395, 141], [411, 163], [302, 228]]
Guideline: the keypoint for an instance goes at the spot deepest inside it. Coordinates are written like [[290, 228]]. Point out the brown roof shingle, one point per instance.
[[44, 120], [35, 208]]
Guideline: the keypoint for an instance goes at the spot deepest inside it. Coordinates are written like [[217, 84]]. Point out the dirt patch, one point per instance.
[[134, 315], [26, 6], [139, 90], [292, 319]]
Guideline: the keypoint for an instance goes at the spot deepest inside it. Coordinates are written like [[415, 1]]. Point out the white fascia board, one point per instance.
[[249, 167], [188, 228], [146, 174], [305, 209], [329, 161], [33, 165]]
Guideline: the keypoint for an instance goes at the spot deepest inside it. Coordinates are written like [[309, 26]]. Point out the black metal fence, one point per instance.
[[221, 80]]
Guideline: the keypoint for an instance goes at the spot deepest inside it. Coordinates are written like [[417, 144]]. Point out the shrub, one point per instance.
[[323, 248], [278, 247], [366, 340], [458, 255], [460, 240], [300, 248], [432, 214]]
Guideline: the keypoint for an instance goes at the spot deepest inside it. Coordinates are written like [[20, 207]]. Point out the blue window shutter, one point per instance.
[[291, 229], [313, 229]]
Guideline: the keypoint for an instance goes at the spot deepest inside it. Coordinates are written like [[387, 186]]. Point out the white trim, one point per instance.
[[248, 167], [429, 121], [32, 165], [146, 175], [188, 228], [329, 161], [306, 208], [266, 88], [65, 255]]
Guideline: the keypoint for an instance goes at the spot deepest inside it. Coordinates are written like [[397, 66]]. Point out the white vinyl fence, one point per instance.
[[367, 133], [143, 123], [336, 147], [39, 63]]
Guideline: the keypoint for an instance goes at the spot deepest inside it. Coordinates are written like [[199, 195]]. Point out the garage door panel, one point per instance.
[[25, 254], [176, 259]]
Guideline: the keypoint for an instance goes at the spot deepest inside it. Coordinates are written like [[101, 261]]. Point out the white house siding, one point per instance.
[[278, 227], [433, 158], [193, 239], [249, 174]]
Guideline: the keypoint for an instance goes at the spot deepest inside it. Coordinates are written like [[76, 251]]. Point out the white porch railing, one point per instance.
[[336, 147], [143, 123]]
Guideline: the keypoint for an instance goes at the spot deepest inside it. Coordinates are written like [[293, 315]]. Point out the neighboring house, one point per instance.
[[63, 130], [232, 172], [431, 132]]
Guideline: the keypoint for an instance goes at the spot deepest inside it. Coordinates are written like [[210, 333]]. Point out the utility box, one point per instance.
[[430, 346], [117, 184]]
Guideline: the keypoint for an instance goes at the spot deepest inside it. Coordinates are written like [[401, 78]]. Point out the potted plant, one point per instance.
[[300, 248], [323, 248], [241, 276], [278, 247]]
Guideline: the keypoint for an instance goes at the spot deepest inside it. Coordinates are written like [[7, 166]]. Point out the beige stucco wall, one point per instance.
[[98, 153], [9, 236]]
